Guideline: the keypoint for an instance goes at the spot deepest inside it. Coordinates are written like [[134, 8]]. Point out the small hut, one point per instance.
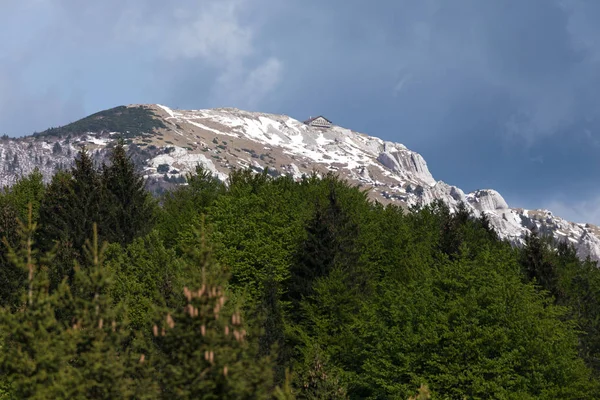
[[319, 122]]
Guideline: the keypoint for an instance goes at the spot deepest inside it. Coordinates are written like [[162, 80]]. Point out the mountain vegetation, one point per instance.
[[128, 121], [267, 287]]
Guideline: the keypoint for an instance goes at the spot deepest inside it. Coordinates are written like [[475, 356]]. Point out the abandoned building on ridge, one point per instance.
[[319, 122]]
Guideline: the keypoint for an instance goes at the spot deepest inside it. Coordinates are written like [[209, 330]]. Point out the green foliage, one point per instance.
[[306, 290], [555, 268], [12, 278], [129, 121], [28, 190], [115, 199], [316, 380], [147, 275], [43, 357], [72, 205], [206, 349], [129, 207], [330, 242], [183, 207]]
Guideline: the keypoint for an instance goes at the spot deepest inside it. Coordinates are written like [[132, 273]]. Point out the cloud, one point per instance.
[[539, 56], [247, 88], [580, 211], [77, 57], [532, 66], [214, 35]]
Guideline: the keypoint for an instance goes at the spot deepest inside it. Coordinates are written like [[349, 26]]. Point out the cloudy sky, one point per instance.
[[500, 94]]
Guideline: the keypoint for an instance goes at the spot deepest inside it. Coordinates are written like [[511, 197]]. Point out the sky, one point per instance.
[[500, 94]]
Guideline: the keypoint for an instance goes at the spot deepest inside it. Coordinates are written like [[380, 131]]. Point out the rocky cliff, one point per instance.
[[168, 143]]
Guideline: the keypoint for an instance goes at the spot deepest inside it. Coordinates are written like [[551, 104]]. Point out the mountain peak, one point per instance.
[[168, 143]]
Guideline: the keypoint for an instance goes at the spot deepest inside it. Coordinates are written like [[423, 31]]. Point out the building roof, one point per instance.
[[308, 121]]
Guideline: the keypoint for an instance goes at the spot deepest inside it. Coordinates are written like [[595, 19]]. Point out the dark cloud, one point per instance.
[[483, 89]]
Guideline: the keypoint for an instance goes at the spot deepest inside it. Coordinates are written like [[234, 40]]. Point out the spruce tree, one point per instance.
[[331, 241], [107, 363], [33, 353], [12, 278], [87, 199], [55, 232], [272, 338], [206, 350], [538, 263], [182, 207], [129, 207], [56, 210], [72, 205], [90, 356]]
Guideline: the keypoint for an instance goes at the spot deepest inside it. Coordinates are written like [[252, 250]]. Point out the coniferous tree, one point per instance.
[[105, 364], [56, 211], [55, 232], [72, 205], [88, 356], [316, 379], [34, 353], [12, 278], [331, 241], [87, 199], [538, 263], [272, 338], [484, 221], [452, 232], [356, 299], [205, 349], [129, 207]]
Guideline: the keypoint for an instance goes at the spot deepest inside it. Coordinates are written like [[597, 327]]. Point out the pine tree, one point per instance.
[[129, 206]]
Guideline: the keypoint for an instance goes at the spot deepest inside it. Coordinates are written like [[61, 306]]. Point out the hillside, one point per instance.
[[168, 143]]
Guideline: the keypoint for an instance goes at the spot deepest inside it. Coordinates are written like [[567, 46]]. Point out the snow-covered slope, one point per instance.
[[227, 138]]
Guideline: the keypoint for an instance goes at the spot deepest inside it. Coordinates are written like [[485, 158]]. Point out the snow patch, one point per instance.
[[167, 110]]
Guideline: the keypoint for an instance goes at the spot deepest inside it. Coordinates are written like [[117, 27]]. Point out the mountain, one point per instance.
[[168, 143]]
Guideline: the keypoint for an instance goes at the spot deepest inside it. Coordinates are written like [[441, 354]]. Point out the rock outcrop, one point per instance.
[[172, 142]]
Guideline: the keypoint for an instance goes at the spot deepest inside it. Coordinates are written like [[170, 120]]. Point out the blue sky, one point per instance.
[[500, 94]]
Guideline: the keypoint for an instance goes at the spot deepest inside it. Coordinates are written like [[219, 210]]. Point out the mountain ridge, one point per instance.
[[167, 143]]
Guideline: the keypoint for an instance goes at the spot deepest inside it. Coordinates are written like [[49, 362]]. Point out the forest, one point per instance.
[[268, 287]]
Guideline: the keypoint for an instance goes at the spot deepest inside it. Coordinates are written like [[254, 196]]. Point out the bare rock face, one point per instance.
[[487, 200], [167, 144], [406, 163]]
